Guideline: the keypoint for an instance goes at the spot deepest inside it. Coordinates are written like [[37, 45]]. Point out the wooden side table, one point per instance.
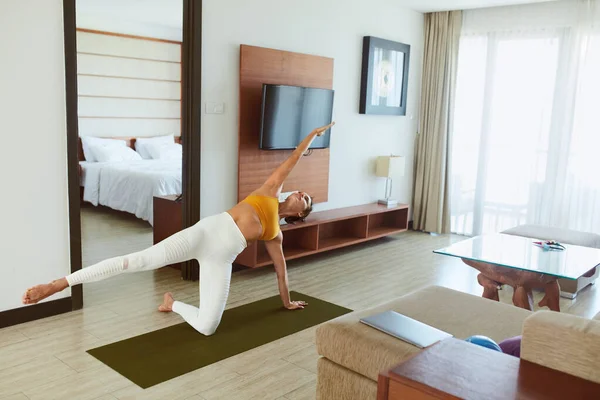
[[167, 218], [455, 369]]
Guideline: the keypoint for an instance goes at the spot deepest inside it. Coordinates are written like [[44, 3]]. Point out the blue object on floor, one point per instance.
[[484, 341]]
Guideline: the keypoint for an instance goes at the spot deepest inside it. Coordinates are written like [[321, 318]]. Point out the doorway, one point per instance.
[[190, 127]]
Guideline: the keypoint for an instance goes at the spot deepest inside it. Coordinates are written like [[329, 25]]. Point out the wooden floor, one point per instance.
[[107, 233], [46, 359]]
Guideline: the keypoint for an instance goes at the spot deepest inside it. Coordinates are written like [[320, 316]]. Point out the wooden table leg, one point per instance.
[[523, 298], [492, 276], [490, 287], [551, 296]]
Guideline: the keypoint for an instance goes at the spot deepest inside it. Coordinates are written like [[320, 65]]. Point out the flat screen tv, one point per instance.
[[289, 113]]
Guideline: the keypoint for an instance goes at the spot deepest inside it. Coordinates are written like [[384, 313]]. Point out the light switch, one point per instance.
[[215, 108]]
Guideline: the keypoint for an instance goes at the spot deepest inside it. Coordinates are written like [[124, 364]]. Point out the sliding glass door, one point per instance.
[[526, 131]]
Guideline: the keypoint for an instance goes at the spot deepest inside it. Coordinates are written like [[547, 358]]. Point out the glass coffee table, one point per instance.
[[514, 260]]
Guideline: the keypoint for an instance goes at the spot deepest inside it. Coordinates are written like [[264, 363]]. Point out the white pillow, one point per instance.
[[141, 144], [111, 154], [165, 151], [88, 141]]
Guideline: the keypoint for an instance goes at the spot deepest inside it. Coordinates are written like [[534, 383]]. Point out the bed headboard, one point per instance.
[[129, 141]]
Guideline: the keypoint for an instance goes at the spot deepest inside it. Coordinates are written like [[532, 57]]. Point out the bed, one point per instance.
[[129, 186]]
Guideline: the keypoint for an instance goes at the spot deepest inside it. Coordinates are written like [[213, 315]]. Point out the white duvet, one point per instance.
[[130, 185]]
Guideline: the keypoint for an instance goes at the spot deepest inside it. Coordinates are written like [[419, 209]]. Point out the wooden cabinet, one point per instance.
[[329, 230], [322, 231]]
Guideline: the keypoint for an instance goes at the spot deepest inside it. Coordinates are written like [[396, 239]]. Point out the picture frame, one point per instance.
[[384, 80]]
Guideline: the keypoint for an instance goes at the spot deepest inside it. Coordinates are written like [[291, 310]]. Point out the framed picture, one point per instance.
[[384, 77]]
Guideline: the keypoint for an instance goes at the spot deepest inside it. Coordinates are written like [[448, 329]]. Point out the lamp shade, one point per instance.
[[389, 166]]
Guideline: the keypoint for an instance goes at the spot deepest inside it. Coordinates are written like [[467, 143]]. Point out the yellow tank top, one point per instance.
[[267, 209]]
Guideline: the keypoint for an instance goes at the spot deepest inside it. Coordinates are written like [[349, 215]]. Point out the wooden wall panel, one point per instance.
[[128, 85], [115, 44], [111, 127], [260, 65], [95, 86], [115, 107], [119, 67]]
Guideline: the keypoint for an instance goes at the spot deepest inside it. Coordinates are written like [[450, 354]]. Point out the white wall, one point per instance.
[[557, 14], [332, 28], [34, 210], [160, 19], [118, 25]]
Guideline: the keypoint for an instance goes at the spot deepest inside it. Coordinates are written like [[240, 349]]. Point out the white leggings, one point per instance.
[[214, 241]]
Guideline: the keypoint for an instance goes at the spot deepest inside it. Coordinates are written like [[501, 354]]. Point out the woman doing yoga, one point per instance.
[[215, 242]]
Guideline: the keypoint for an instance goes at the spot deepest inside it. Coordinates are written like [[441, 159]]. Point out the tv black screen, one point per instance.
[[290, 113]]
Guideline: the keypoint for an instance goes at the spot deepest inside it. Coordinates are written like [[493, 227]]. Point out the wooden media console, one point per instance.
[[329, 230]]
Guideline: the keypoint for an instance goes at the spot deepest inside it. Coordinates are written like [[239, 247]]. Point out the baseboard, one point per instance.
[[37, 311]]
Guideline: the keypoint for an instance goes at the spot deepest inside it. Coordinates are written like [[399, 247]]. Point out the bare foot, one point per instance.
[[167, 305], [40, 292]]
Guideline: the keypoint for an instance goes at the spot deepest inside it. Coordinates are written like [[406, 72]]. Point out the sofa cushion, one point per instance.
[[563, 342], [336, 382], [367, 351], [567, 236]]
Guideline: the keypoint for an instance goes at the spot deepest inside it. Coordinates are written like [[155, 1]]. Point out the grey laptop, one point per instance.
[[405, 328]]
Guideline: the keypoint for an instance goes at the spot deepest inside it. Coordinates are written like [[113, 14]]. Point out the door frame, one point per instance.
[[191, 62]]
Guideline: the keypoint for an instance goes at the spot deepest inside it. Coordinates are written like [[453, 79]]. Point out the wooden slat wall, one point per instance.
[[260, 65], [128, 85]]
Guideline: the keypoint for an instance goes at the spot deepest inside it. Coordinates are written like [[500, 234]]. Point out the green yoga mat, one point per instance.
[[158, 356]]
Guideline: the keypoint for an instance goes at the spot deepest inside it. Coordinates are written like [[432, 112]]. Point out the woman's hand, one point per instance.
[[275, 181], [320, 131], [295, 305]]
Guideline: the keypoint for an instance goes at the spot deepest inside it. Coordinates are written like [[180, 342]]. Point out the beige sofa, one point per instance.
[[353, 354]]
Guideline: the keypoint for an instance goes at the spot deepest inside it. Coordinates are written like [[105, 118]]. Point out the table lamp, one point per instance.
[[387, 167]]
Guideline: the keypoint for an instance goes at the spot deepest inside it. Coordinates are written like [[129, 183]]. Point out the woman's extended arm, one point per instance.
[[275, 250], [275, 182]]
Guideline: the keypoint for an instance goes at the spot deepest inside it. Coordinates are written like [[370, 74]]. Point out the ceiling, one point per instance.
[[170, 12], [445, 5]]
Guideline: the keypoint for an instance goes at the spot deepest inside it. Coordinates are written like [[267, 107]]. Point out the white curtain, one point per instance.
[[527, 119], [430, 202]]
